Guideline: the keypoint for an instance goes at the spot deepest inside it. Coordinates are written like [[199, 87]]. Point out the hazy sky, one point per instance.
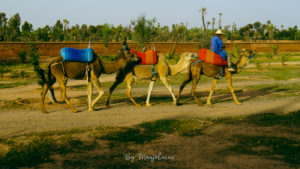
[[167, 12]]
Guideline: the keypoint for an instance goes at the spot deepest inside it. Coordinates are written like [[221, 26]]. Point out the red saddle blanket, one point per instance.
[[209, 56], [147, 58]]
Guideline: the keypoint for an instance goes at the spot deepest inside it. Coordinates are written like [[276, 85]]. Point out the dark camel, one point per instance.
[[61, 71], [196, 69]]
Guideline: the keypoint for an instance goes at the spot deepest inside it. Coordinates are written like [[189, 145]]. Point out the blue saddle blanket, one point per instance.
[[77, 55]]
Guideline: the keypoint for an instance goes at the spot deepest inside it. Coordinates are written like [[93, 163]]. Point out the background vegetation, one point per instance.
[[140, 30]]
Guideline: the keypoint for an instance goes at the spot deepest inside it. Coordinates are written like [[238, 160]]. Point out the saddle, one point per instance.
[[148, 57], [211, 57], [77, 55]]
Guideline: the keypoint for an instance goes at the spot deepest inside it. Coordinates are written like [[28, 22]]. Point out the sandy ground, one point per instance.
[[19, 121]]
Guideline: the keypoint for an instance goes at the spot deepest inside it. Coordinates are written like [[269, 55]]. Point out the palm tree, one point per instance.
[[203, 11], [220, 21], [207, 23], [213, 23], [66, 26]]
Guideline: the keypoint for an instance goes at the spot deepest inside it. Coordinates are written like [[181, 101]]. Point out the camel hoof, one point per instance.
[[91, 109], [238, 103], [174, 102], [74, 111], [148, 104], [199, 104], [138, 105], [208, 103]]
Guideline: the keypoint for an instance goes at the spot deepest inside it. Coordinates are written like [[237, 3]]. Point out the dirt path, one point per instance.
[[19, 121]]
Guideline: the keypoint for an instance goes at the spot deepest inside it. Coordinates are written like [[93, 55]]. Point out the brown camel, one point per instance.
[[61, 71], [163, 69], [197, 68]]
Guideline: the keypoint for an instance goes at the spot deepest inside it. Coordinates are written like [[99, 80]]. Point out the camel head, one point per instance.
[[187, 58], [129, 57], [244, 59]]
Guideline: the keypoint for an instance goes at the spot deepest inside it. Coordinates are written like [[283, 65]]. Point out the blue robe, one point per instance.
[[216, 46]]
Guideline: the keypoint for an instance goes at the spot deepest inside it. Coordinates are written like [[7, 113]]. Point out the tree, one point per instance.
[[143, 29], [203, 12], [106, 34], [3, 26], [56, 32], [220, 20], [66, 28], [213, 24], [14, 27], [26, 31]]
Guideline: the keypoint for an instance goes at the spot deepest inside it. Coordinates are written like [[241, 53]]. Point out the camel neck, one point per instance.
[[178, 67], [114, 66]]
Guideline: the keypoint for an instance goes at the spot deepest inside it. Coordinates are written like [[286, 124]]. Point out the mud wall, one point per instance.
[[9, 51]]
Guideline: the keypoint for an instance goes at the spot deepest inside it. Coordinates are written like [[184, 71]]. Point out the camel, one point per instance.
[[163, 69], [61, 71], [198, 68]]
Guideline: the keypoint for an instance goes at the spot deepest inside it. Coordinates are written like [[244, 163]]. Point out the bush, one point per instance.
[[22, 55], [284, 57]]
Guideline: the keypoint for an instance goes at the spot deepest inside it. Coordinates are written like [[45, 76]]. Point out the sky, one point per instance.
[[167, 12]]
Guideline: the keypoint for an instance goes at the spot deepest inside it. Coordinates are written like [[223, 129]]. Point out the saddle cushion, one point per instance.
[[77, 55], [211, 57], [146, 58]]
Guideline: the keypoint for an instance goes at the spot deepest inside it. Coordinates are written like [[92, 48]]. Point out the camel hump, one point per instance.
[[211, 57], [77, 55]]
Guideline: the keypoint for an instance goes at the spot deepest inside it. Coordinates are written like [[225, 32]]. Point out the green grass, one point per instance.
[[16, 84], [272, 147], [34, 149]]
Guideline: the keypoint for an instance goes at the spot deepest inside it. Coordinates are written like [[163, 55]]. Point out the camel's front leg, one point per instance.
[[129, 80], [90, 93], [149, 92], [165, 82], [62, 84], [211, 91], [229, 82]]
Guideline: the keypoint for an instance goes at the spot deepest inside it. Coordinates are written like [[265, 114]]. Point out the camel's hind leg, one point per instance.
[[165, 82], [229, 82], [208, 102], [51, 95], [43, 94], [149, 92]]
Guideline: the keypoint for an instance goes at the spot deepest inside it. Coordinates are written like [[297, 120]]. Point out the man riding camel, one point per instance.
[[217, 47]]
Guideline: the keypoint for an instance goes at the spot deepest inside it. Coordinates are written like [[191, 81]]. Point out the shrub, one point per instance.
[[284, 57], [22, 55]]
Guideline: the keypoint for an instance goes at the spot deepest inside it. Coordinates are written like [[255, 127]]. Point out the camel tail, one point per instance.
[[44, 77]]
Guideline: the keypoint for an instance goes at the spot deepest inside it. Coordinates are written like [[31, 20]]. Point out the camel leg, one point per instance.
[[165, 82], [186, 81], [90, 93], [229, 82], [43, 94], [194, 86], [211, 91], [149, 92], [51, 95], [62, 84], [129, 80], [97, 84], [119, 79]]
